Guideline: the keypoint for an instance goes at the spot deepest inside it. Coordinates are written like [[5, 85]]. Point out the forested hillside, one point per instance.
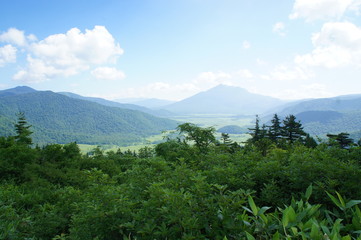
[[60, 119], [192, 186], [321, 122]]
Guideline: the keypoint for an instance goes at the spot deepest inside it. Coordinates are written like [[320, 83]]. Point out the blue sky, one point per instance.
[[172, 49]]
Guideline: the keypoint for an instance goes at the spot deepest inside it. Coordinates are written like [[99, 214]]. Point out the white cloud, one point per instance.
[[14, 36], [37, 71], [279, 28], [312, 10], [7, 54], [261, 62], [108, 73], [355, 6], [166, 90], [68, 54], [284, 73], [312, 90], [213, 76], [178, 91], [246, 44], [337, 44], [207, 80], [245, 73]]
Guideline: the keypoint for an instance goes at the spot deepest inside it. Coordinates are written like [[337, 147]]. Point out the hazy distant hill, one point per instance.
[[340, 104], [152, 103], [224, 100], [61, 119], [233, 129], [319, 116], [162, 113]]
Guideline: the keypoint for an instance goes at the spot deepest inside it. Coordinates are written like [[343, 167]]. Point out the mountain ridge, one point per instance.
[[61, 119], [159, 113], [224, 99]]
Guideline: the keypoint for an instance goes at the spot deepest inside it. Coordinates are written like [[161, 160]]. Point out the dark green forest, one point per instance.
[[280, 184], [60, 119]]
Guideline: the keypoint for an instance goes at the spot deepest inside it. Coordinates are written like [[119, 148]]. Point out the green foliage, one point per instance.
[[180, 190], [202, 137], [342, 139]]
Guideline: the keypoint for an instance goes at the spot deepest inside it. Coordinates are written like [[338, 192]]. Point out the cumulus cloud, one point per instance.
[[178, 91], [166, 90], [7, 54], [14, 36], [211, 79], [337, 44], [279, 28], [284, 73], [37, 71], [312, 10], [68, 54], [312, 90], [108, 73], [245, 73]]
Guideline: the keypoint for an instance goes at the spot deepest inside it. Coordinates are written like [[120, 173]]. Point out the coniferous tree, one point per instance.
[[226, 139], [342, 139], [310, 141], [256, 131], [292, 130], [263, 132], [22, 129], [275, 130]]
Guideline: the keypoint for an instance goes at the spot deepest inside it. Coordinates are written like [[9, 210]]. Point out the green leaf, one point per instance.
[[263, 210], [249, 236], [346, 237], [308, 192], [294, 231], [341, 200], [315, 232], [291, 214], [276, 236], [285, 218], [352, 203], [253, 206], [335, 200]]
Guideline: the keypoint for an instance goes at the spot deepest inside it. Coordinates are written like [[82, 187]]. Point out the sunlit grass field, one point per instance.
[[216, 121]]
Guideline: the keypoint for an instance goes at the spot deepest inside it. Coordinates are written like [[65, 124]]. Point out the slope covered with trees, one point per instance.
[[192, 186], [60, 119]]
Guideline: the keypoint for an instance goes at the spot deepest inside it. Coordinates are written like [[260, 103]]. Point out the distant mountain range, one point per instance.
[[138, 107], [341, 103], [61, 119]]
